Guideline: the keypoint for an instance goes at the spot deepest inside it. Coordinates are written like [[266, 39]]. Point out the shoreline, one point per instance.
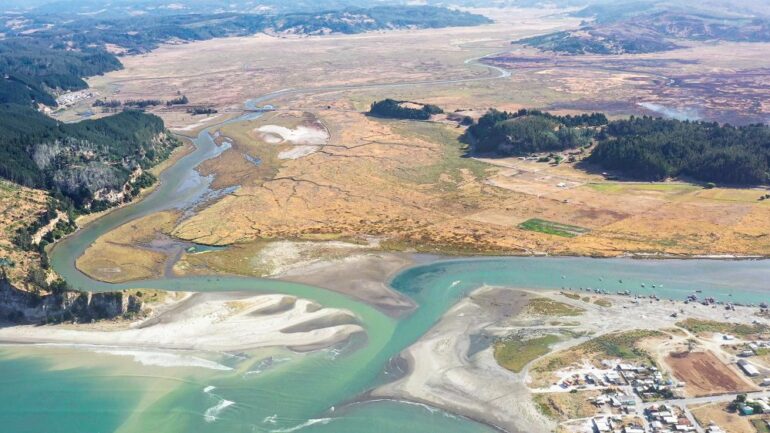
[[369, 281], [216, 322], [178, 153], [369, 398], [440, 373]]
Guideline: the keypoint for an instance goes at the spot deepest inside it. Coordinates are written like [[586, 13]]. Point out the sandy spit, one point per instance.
[[363, 276], [443, 375], [212, 322]]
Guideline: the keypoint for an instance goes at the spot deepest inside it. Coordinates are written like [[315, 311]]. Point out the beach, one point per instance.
[[442, 373], [211, 322]]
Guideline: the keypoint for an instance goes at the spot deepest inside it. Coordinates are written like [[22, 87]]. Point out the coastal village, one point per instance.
[[695, 365]]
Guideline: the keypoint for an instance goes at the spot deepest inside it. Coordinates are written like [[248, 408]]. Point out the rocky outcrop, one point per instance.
[[18, 306]]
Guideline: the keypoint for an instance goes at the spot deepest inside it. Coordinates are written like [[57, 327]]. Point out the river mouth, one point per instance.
[[278, 390]]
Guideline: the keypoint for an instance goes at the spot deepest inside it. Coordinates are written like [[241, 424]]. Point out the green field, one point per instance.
[[740, 329], [513, 354], [619, 344], [452, 162], [630, 187], [552, 228], [548, 307]]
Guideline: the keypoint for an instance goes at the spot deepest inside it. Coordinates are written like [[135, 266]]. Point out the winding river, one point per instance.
[[68, 390]]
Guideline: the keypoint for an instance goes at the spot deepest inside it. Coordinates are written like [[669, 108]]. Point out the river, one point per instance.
[[85, 389]]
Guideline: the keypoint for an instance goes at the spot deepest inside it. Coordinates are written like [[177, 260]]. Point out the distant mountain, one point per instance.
[[602, 40], [144, 32], [123, 8], [374, 18], [647, 26]]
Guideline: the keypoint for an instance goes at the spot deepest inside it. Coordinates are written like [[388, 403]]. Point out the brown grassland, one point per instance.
[[19, 207], [564, 406], [717, 413], [409, 183], [125, 253]]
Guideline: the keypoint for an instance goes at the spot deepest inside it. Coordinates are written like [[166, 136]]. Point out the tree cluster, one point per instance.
[[181, 100], [643, 148], [195, 111], [653, 149], [78, 159], [142, 103], [393, 109], [524, 132]]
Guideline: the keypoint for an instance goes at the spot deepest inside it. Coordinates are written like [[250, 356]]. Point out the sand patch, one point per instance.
[[299, 135], [307, 139], [298, 152]]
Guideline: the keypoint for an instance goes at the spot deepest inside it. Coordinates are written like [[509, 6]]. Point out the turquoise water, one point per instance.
[[302, 390], [36, 400], [73, 390]]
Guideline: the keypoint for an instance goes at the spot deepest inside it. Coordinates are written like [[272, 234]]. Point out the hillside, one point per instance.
[[647, 27], [655, 149], [142, 33], [32, 69], [529, 131], [20, 208], [351, 21], [94, 163], [631, 39]]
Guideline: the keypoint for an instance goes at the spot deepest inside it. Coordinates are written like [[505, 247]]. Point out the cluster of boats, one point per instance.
[[693, 298]]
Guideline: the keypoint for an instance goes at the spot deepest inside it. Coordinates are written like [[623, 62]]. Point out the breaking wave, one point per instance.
[[212, 413], [307, 423], [164, 359]]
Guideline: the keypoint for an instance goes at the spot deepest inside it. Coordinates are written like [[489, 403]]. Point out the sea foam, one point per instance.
[[212, 413], [164, 359], [307, 423]]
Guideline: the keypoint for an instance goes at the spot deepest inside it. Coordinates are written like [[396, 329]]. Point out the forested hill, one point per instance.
[[141, 33], [530, 131], [30, 69], [653, 149], [94, 162], [642, 148]]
